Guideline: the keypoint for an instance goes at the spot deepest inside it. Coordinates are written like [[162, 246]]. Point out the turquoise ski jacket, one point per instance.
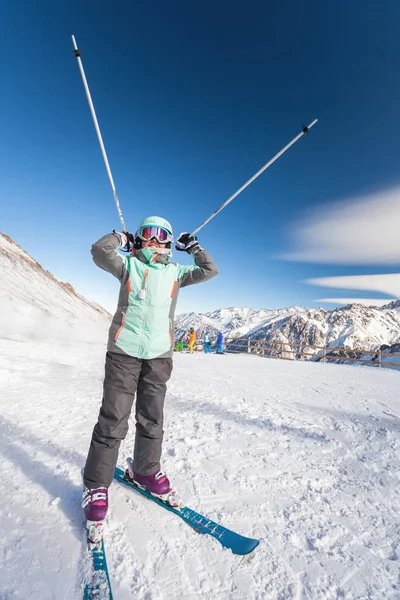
[[143, 325]]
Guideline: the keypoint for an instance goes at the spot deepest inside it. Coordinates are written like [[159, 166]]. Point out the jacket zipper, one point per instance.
[[142, 295], [142, 291]]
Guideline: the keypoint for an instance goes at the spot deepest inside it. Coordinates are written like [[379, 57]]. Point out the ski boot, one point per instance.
[[158, 485], [95, 506]]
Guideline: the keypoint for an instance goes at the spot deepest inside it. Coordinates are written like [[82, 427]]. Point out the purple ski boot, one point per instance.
[[95, 506], [157, 484], [95, 503]]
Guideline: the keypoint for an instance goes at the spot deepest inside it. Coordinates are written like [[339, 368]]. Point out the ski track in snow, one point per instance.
[[303, 456]]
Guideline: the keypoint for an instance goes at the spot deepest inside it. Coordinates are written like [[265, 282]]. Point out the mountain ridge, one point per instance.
[[33, 300], [354, 326]]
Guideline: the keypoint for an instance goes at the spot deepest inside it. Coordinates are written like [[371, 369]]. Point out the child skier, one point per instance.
[[192, 339], [220, 343], [139, 354], [207, 343]]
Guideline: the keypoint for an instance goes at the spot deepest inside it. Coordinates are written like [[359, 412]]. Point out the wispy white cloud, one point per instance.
[[366, 301], [357, 231], [385, 284]]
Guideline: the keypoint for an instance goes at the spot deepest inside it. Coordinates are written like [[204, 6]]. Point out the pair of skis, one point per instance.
[[99, 586]]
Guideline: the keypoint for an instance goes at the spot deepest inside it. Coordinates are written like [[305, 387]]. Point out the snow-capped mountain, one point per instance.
[[34, 303], [354, 326], [233, 322]]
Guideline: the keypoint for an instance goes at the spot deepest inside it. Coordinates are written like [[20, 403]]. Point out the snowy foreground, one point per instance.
[[303, 456]]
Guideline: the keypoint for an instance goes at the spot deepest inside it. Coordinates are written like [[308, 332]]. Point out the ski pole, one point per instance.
[[77, 53], [264, 168]]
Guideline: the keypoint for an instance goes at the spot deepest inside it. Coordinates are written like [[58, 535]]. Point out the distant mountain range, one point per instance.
[[35, 303], [355, 326]]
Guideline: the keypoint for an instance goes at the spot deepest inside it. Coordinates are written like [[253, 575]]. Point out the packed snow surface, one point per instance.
[[303, 456]]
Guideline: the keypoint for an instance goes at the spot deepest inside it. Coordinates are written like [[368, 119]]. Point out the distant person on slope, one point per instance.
[[207, 343], [192, 339], [139, 356], [220, 343]]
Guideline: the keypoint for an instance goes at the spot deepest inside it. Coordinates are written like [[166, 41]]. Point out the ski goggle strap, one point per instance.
[[151, 231]]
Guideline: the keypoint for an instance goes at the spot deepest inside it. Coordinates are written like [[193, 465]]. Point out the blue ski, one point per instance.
[[99, 586], [227, 538]]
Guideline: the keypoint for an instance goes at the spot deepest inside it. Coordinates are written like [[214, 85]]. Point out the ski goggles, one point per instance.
[[149, 232]]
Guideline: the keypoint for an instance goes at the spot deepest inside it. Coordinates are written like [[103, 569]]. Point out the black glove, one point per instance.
[[126, 240], [187, 242]]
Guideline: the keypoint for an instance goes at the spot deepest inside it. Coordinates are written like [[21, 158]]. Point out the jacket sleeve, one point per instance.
[[105, 255], [203, 269]]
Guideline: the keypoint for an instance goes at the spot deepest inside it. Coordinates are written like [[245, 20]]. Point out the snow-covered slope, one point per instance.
[[354, 326], [33, 303], [303, 456]]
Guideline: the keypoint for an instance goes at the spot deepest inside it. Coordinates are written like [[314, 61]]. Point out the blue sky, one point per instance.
[[192, 99]]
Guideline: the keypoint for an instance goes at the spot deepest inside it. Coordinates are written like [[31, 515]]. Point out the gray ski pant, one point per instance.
[[125, 376]]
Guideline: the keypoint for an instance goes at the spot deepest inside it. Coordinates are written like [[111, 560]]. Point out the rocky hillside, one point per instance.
[[355, 326]]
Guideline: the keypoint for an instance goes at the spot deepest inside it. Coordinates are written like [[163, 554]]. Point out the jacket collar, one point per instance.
[[151, 257]]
